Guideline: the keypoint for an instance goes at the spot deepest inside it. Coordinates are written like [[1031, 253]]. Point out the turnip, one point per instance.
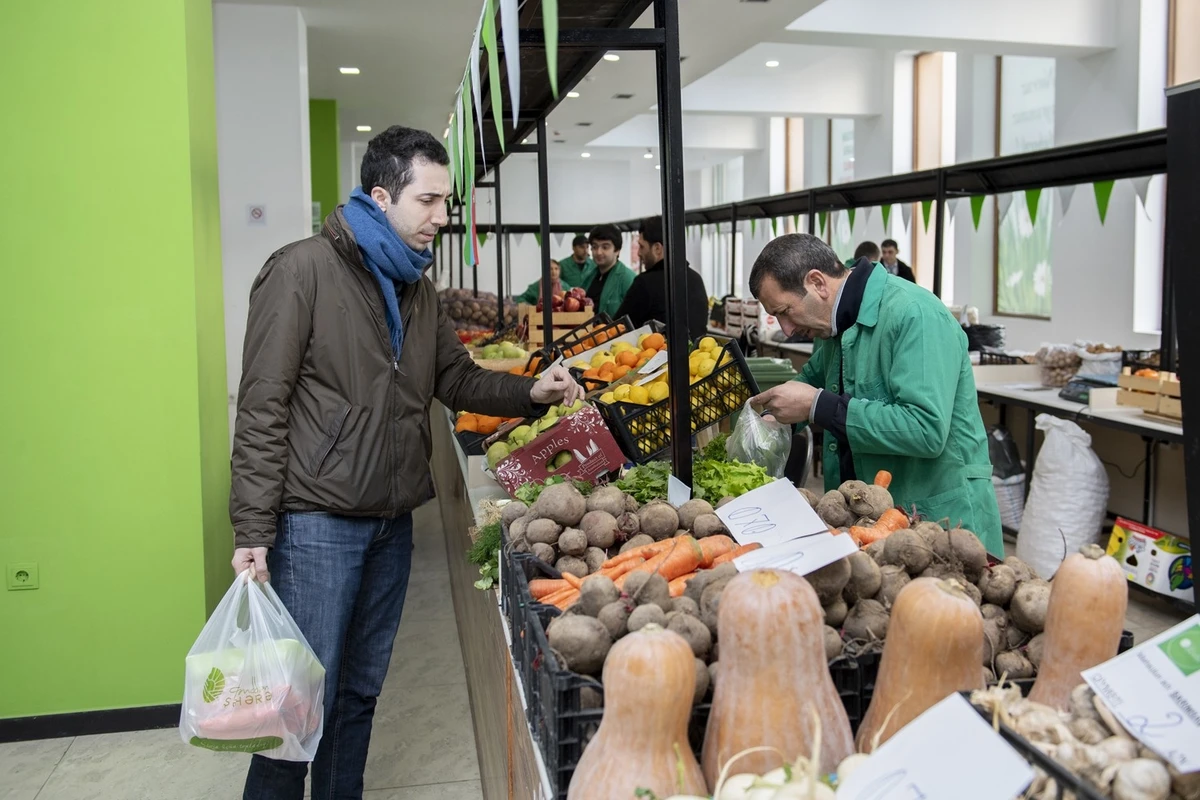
[[1029, 604], [906, 548], [543, 531], [562, 503], [582, 641], [692, 509], [867, 621], [998, 584], [645, 615], [576, 566], [608, 499], [640, 540], [969, 551], [830, 580], [865, 578], [597, 592], [658, 519], [892, 580], [600, 528], [572, 542]]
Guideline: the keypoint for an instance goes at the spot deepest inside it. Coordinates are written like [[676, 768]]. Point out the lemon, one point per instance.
[[707, 365], [658, 391], [622, 391], [639, 395], [725, 359], [608, 398], [620, 347], [707, 343]]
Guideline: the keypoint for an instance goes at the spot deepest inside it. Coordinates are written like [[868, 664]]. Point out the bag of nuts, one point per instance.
[[1059, 363]]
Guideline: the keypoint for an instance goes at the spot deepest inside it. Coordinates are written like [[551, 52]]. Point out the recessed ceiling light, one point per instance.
[[572, 94], [772, 63], [349, 70], [585, 155], [648, 154], [658, 166], [611, 57], [367, 129]]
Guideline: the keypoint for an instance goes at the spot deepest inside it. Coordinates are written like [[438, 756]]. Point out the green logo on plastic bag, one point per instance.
[[259, 745], [213, 685], [1184, 650]]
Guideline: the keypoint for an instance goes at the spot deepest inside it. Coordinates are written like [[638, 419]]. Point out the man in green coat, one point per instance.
[[890, 382], [576, 265], [609, 280]]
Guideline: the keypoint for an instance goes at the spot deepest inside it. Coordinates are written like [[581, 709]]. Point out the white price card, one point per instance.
[[1154, 690], [801, 556], [678, 492], [654, 364], [770, 515], [649, 378], [912, 765]]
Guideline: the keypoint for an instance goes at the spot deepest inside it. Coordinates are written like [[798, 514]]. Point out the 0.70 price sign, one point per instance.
[[771, 514]]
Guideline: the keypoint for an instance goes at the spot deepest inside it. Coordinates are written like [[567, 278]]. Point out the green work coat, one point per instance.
[[618, 283], [572, 273], [913, 407]]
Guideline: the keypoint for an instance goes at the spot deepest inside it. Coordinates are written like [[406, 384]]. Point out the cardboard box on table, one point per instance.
[[594, 452], [1156, 560]]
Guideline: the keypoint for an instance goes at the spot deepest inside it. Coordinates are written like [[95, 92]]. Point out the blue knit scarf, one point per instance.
[[390, 260]]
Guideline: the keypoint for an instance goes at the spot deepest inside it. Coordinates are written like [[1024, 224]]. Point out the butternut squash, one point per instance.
[[1084, 620], [642, 742], [773, 677], [934, 648]]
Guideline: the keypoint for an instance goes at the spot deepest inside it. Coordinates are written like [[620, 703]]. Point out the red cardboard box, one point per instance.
[[593, 449]]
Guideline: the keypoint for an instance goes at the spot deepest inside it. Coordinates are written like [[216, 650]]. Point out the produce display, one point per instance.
[[501, 350], [1059, 364], [614, 363], [524, 434], [571, 301], [473, 313], [479, 423]]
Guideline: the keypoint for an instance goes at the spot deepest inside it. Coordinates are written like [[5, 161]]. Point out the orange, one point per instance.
[[620, 327], [648, 353], [486, 424], [467, 422], [642, 362], [627, 358], [517, 371], [621, 372], [607, 373], [655, 341], [601, 337], [591, 373]]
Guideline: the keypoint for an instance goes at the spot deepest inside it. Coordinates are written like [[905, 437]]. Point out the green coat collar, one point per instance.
[[868, 312]]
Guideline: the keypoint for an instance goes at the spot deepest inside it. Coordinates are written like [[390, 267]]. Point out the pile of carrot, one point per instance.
[[888, 523]]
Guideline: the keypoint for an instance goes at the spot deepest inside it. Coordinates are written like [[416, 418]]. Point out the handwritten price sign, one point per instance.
[[912, 765], [1154, 690], [770, 515], [800, 556]]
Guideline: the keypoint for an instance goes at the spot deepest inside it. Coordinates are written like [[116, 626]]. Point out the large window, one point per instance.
[[841, 170], [1183, 42], [934, 115]]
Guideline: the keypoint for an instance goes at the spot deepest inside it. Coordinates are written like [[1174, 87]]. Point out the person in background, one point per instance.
[[609, 280], [647, 297], [867, 250], [889, 258], [576, 265], [557, 286], [890, 381], [346, 347]]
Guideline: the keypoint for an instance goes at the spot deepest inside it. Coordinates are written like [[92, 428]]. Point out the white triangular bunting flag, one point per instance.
[[1065, 193], [517, 237], [558, 239], [1142, 187], [476, 91], [866, 212], [953, 205], [1003, 202], [906, 214], [510, 25]]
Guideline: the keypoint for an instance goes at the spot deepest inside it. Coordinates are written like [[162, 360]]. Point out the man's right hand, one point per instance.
[[246, 557]]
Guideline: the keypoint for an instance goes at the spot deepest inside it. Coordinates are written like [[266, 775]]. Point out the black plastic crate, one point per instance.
[[593, 384], [1146, 359], [990, 358], [574, 342], [644, 432], [1067, 784]]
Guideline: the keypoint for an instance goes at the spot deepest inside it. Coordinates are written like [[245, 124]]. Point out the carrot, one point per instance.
[[552, 599], [713, 546], [572, 580], [567, 600], [679, 584], [543, 587], [645, 551], [888, 523], [883, 478], [732, 554], [683, 556], [622, 568]]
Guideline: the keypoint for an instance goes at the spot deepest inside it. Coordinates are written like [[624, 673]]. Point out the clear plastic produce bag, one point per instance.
[[760, 441], [253, 685]]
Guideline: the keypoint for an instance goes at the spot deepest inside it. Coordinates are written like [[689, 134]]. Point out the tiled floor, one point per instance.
[[423, 746]]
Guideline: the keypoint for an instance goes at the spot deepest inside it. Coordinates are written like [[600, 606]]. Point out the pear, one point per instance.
[[497, 453]]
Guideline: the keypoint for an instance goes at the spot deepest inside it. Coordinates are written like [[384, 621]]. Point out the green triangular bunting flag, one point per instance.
[[482, 237], [550, 31], [1032, 196], [886, 210], [754, 227], [976, 208], [437, 240], [774, 227], [489, 41], [796, 223], [926, 206], [851, 212], [1103, 190], [822, 215], [538, 237]]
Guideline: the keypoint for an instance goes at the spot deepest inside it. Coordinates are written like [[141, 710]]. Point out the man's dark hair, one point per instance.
[[867, 250], [606, 233], [651, 230], [790, 258], [890, 243], [391, 155], [578, 240]]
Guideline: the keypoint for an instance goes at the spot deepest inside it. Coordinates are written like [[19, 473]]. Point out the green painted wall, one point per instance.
[[113, 422], [323, 149]]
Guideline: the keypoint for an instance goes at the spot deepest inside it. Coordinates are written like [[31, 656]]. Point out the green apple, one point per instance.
[[491, 351]]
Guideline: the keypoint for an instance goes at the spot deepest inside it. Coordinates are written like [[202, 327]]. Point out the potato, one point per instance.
[[641, 540], [833, 511], [1021, 570], [830, 580], [643, 588], [658, 519], [544, 552], [562, 503], [970, 553], [1029, 604], [628, 526], [615, 617], [600, 528], [867, 621], [833, 644], [572, 542], [695, 632], [582, 641], [596, 592], [543, 531], [708, 525], [692, 509], [835, 612], [513, 512], [594, 557], [576, 566], [865, 578], [1013, 665], [608, 499], [642, 616], [892, 579], [998, 584], [703, 680], [906, 548]]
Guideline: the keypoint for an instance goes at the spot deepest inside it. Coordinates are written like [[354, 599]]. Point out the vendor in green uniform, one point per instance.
[[576, 265], [889, 380], [609, 280], [557, 285]]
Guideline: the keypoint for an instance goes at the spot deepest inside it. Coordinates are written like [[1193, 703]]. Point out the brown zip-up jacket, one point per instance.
[[327, 419]]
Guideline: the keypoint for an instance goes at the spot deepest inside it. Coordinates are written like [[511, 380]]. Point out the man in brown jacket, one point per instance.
[[346, 347]]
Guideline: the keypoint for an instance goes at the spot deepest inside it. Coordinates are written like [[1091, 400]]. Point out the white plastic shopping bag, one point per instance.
[[1067, 499], [253, 685], [760, 441]]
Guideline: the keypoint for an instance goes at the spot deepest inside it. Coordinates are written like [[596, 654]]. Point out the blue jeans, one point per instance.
[[343, 580]]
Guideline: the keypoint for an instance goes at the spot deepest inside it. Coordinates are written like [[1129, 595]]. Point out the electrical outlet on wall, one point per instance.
[[21, 576]]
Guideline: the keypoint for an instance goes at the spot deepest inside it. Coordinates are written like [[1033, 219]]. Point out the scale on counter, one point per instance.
[[1079, 388]]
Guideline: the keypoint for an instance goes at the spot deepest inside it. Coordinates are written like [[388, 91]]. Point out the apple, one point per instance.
[[557, 302], [577, 293], [572, 304]]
